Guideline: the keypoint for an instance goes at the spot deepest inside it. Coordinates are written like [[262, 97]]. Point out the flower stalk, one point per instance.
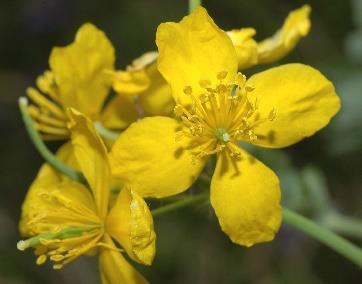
[[312, 229], [345, 225], [42, 148], [193, 4], [325, 236], [105, 132], [184, 202]]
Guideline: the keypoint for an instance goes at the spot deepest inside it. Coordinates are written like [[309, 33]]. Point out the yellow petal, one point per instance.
[[135, 79], [115, 269], [246, 197], [49, 206], [246, 47], [45, 179], [303, 99], [91, 155], [79, 70], [130, 82], [130, 223], [147, 157], [157, 99], [295, 26], [194, 49], [119, 113]]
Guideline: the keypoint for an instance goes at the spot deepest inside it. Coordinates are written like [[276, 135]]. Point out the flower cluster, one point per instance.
[[172, 110]]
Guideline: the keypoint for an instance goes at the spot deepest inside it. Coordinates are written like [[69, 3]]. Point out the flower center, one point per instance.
[[62, 228], [63, 245], [222, 134], [220, 116]]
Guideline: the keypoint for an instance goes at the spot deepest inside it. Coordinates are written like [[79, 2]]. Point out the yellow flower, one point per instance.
[[218, 107], [250, 53], [78, 78], [143, 82], [65, 219]]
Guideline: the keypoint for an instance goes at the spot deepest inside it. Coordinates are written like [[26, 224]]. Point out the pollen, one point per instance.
[[41, 259], [221, 115], [82, 230], [62, 246]]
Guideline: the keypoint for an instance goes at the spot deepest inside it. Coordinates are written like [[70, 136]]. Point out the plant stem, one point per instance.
[[106, 133], [325, 236], [193, 4], [42, 148], [345, 225], [187, 201]]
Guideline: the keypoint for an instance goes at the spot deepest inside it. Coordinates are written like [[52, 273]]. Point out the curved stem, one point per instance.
[[325, 236], [344, 225], [187, 201], [105, 132], [42, 148], [193, 4]]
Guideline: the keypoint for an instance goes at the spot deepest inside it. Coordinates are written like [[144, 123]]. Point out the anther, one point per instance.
[[222, 75], [221, 88], [178, 110], [188, 90], [240, 79], [57, 257], [204, 98], [41, 259], [249, 88], [204, 84], [252, 135], [57, 266], [272, 115]]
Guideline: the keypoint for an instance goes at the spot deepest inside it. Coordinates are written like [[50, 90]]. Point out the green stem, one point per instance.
[[325, 236], [105, 132], [193, 4], [42, 148], [187, 201], [345, 225]]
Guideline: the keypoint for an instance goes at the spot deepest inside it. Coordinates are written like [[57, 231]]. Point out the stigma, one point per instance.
[[222, 135], [222, 114]]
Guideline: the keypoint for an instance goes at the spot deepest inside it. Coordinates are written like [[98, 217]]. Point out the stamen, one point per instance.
[[57, 266], [188, 90], [43, 238], [41, 259], [222, 75], [204, 84], [46, 108], [220, 116]]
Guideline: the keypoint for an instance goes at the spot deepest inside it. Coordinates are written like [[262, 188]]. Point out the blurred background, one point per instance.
[[321, 176]]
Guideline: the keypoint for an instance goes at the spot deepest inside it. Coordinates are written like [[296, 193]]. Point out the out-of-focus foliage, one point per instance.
[[191, 247]]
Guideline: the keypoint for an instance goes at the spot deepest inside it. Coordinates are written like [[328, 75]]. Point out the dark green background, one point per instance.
[[191, 247]]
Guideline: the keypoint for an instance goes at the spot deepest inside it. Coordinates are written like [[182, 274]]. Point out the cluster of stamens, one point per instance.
[[83, 231], [220, 116], [50, 118]]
